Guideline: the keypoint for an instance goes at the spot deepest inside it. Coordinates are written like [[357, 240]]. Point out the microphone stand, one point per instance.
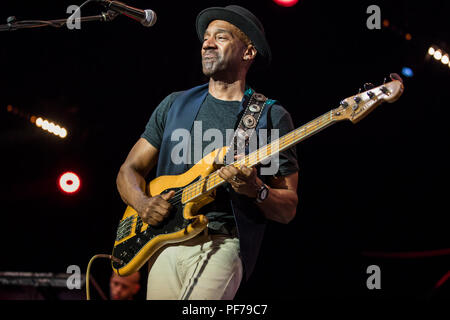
[[13, 25]]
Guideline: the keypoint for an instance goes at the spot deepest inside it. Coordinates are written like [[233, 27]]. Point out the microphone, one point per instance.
[[146, 17]]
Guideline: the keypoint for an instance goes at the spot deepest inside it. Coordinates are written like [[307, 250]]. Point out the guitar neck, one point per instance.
[[287, 141]]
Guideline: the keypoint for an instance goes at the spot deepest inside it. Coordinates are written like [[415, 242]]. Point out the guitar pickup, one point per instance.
[[124, 229]]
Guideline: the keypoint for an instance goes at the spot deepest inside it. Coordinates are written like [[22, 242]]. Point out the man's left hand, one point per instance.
[[243, 180]]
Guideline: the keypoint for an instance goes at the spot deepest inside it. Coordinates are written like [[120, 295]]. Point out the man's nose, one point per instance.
[[209, 43]]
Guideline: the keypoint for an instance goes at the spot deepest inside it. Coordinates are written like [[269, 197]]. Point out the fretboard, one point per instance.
[[262, 154]]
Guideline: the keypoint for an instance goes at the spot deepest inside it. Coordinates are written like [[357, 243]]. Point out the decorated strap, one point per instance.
[[247, 125]]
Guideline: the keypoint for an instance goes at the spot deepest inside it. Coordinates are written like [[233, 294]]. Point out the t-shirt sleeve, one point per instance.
[[281, 120], [154, 129]]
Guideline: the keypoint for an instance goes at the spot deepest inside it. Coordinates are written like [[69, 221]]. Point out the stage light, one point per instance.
[[286, 3], [57, 130], [69, 182], [63, 133], [50, 127], [438, 55], [39, 122], [407, 72]]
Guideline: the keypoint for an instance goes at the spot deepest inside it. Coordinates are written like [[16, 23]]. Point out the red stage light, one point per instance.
[[286, 3], [69, 182]]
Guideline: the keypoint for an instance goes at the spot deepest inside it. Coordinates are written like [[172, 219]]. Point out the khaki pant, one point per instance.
[[207, 267]]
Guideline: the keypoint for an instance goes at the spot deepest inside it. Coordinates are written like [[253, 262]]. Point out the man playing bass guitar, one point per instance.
[[212, 264]]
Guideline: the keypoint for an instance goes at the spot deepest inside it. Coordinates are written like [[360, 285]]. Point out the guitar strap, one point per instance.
[[246, 127]]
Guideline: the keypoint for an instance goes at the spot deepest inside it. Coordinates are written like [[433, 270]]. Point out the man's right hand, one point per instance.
[[153, 210]]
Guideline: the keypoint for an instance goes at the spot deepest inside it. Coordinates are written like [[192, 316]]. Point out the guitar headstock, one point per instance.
[[356, 107]]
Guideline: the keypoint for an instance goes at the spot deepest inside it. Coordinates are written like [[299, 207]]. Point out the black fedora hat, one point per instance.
[[241, 18]]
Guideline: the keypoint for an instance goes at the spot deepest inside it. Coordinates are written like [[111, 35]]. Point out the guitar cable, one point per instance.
[[105, 256]]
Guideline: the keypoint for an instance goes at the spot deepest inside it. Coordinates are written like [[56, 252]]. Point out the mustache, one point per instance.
[[209, 53]]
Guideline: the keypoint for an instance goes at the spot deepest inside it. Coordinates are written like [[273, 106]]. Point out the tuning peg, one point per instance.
[[368, 86], [344, 104], [11, 19], [395, 76], [385, 90]]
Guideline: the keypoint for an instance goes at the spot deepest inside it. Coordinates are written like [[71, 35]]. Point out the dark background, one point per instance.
[[377, 186]]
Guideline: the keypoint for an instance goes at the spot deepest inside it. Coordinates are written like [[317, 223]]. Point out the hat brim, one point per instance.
[[247, 26]]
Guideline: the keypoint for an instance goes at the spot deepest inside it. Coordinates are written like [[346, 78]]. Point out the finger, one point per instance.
[[246, 171], [221, 174], [145, 217], [227, 173], [160, 202], [237, 182], [235, 185], [151, 213], [152, 221], [159, 213], [168, 195], [238, 156], [231, 169]]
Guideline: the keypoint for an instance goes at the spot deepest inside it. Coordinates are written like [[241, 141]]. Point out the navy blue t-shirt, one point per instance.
[[221, 115]]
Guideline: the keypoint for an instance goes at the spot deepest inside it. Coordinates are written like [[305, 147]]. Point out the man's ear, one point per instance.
[[250, 53]]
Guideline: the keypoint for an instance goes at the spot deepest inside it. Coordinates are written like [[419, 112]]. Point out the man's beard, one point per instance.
[[212, 66]]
